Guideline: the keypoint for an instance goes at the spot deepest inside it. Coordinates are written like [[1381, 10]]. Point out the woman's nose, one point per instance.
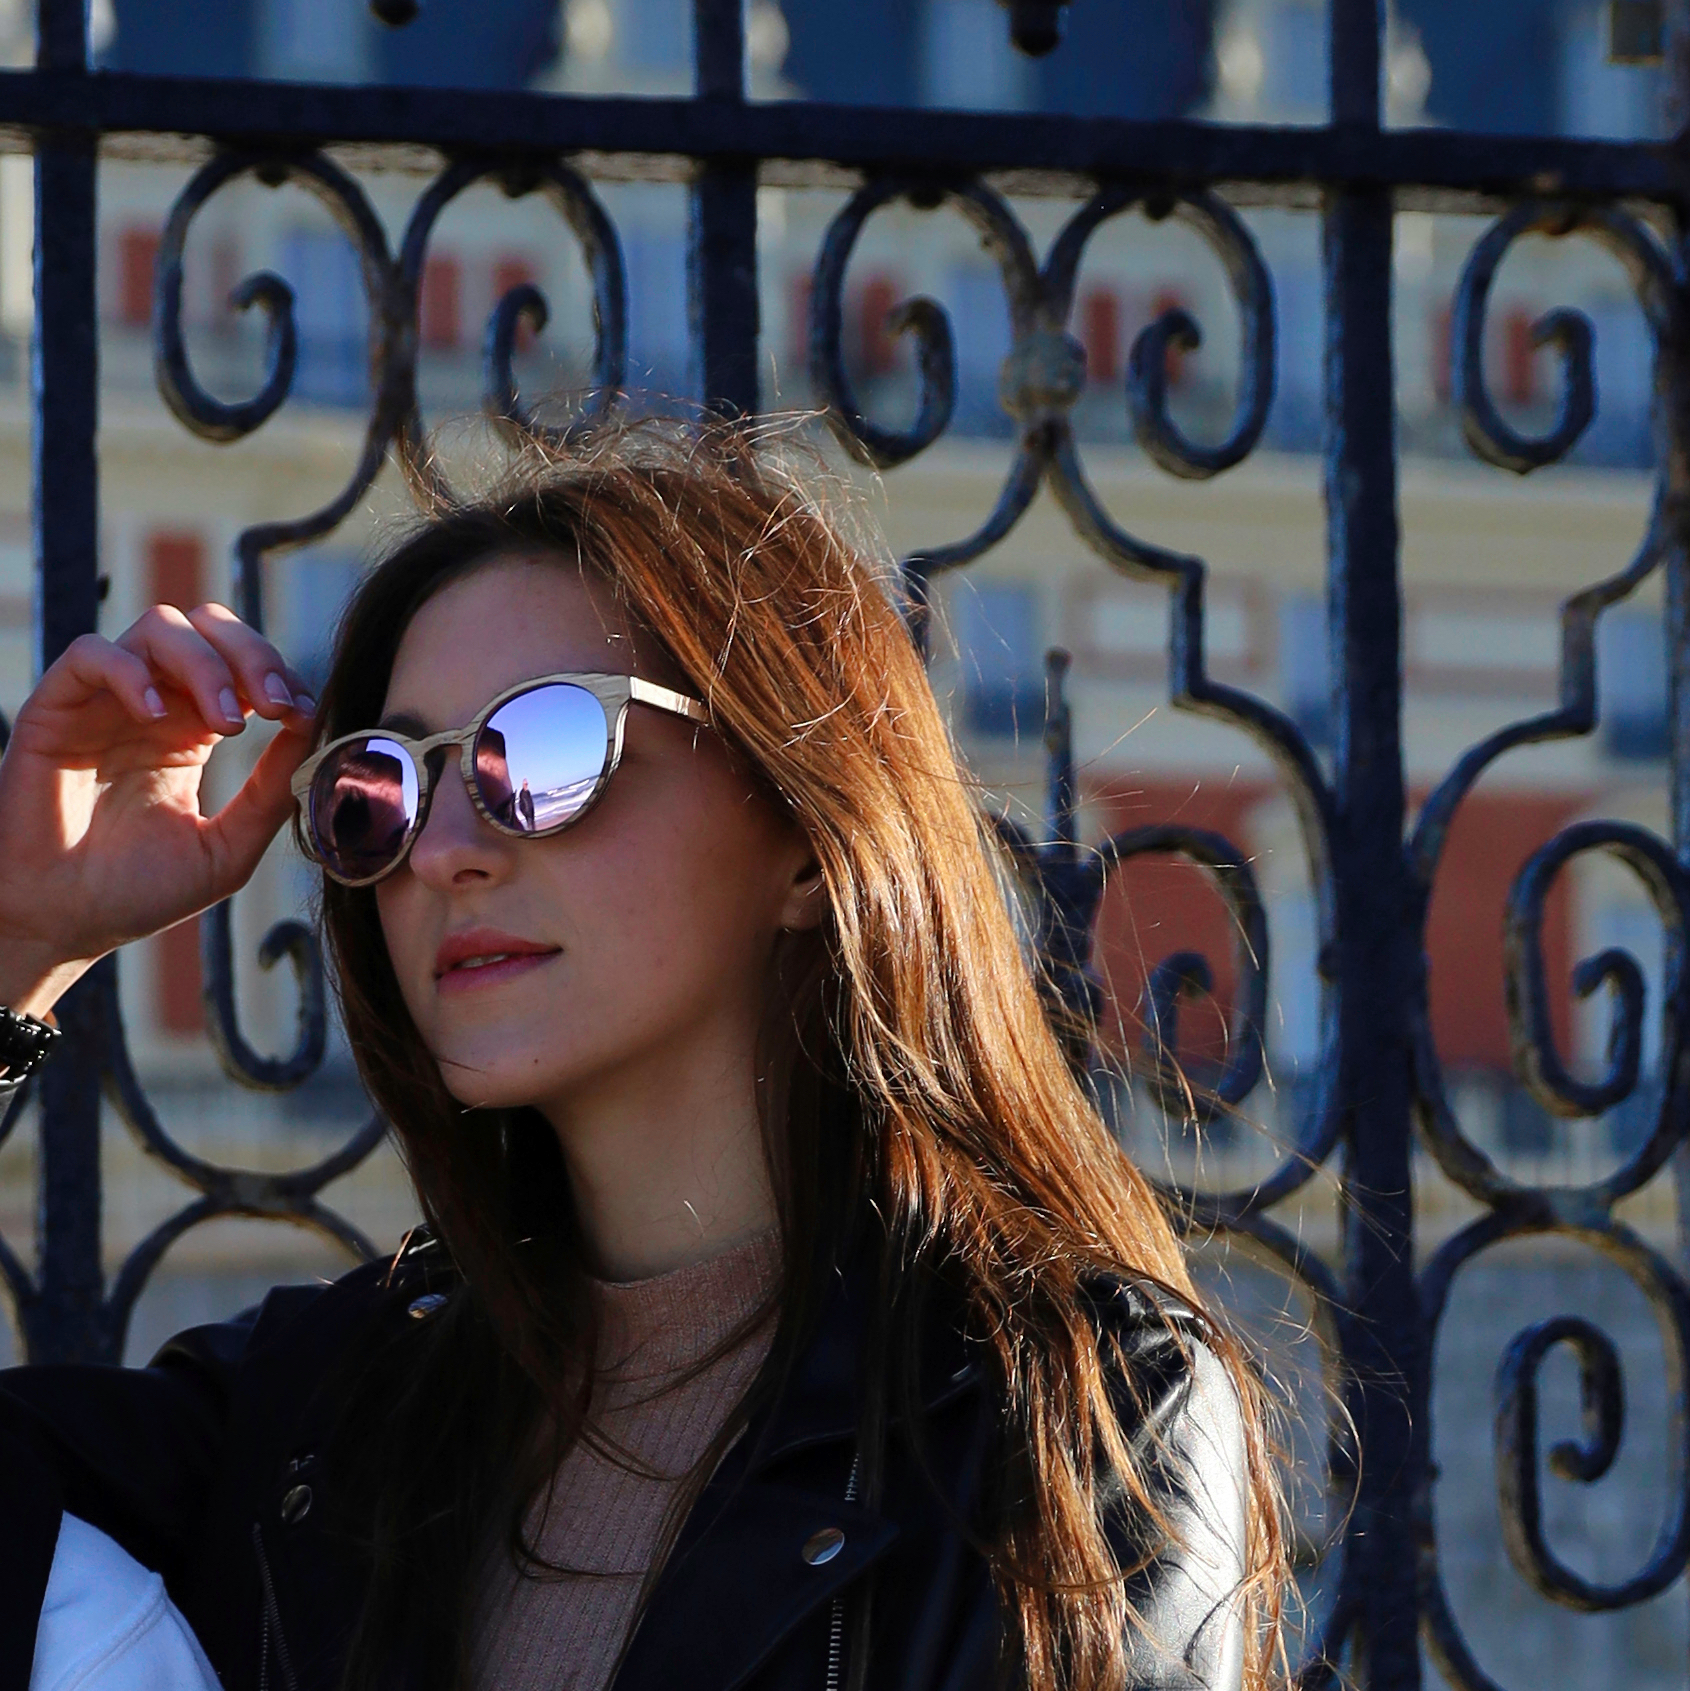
[[456, 844]]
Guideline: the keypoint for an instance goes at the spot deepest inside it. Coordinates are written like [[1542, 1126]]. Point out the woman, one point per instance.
[[785, 1317]]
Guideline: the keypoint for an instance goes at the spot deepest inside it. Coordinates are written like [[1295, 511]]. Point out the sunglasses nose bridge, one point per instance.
[[433, 769]]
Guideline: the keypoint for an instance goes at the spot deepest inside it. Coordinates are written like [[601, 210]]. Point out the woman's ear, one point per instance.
[[806, 898]]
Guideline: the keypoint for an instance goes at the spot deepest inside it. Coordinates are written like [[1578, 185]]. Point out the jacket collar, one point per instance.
[[737, 1582], [821, 1400]]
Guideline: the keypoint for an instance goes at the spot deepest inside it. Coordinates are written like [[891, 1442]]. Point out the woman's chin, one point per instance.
[[503, 1084]]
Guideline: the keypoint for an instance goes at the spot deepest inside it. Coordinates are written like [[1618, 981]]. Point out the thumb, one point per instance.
[[237, 836]]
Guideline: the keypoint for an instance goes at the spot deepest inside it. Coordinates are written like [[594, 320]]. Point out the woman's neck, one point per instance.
[[665, 1173]]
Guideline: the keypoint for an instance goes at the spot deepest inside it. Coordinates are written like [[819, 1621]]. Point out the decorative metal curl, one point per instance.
[[298, 944], [291, 1195], [1027, 367], [1575, 714], [1069, 884], [1569, 332], [212, 419], [1586, 1460], [602, 252], [922, 318], [1041, 380], [1523, 1216], [1186, 972], [1225, 234], [1535, 1058]]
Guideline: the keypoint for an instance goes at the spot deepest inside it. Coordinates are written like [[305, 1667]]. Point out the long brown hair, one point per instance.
[[917, 1072]]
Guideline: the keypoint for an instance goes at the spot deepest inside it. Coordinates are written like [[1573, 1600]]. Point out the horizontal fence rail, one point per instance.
[[1379, 1089]]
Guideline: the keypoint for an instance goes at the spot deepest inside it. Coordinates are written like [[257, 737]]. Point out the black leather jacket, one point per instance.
[[205, 1465]]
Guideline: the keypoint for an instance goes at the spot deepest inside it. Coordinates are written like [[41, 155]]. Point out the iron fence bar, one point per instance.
[[164, 111], [1676, 514], [63, 1320], [722, 245], [1375, 1074]]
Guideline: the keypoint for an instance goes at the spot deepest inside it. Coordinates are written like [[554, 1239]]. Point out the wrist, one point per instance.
[[32, 982]]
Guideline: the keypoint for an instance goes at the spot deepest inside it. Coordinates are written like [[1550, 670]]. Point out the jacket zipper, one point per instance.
[[272, 1622], [836, 1621]]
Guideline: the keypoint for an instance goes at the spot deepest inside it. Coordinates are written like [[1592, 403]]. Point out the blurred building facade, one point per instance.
[[1487, 562]]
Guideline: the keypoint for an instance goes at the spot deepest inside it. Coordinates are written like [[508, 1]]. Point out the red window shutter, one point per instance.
[[1519, 358], [877, 345], [175, 562], [440, 313], [1100, 332], [1443, 376], [137, 257], [798, 320], [512, 270], [175, 568], [1166, 300]]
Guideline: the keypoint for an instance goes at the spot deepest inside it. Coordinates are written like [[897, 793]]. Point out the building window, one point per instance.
[[316, 41], [315, 587], [1621, 101], [1305, 665], [1297, 56], [980, 322], [659, 340], [332, 316], [1631, 677], [997, 635], [137, 258], [967, 60], [657, 35], [175, 575]]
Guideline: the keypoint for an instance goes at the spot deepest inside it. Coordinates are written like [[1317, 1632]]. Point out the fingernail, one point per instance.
[[153, 702], [276, 690], [305, 704], [231, 705]]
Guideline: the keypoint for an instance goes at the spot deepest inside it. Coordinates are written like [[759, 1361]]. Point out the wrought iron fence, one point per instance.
[[1372, 865]]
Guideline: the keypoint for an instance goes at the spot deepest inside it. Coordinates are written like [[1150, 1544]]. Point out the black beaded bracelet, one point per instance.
[[25, 1044]]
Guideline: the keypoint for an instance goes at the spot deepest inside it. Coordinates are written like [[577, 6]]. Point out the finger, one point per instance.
[[265, 680], [237, 835], [181, 657], [91, 665]]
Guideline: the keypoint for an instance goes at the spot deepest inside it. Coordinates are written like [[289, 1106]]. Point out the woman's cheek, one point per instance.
[[404, 939]]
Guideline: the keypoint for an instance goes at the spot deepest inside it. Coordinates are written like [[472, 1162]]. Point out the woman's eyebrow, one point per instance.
[[404, 722]]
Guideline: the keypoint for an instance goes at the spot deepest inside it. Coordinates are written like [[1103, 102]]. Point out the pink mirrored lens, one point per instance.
[[363, 802]]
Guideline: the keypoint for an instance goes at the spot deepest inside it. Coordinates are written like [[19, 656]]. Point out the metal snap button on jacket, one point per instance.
[[423, 1307], [296, 1505], [823, 1546]]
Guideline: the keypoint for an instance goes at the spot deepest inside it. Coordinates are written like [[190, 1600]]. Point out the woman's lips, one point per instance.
[[475, 973]]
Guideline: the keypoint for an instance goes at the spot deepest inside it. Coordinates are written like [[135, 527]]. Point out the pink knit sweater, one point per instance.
[[603, 1518]]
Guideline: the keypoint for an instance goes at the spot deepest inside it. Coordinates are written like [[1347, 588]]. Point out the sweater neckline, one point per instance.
[[670, 1322]]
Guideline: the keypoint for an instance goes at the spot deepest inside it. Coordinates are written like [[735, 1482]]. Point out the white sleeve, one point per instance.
[[107, 1624]]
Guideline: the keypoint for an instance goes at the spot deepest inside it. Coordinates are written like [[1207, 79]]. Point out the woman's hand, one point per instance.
[[102, 839]]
